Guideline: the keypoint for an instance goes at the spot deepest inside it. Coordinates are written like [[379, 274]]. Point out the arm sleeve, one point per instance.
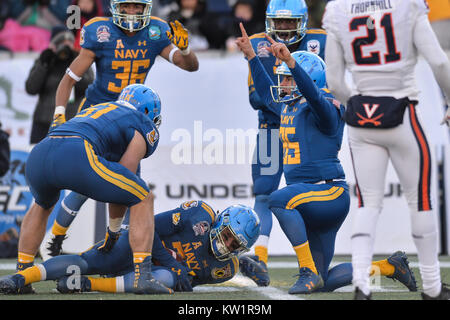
[[262, 84], [334, 55], [428, 46], [323, 110], [36, 78]]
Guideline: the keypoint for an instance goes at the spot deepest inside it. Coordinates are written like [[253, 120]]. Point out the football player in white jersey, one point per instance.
[[379, 42]]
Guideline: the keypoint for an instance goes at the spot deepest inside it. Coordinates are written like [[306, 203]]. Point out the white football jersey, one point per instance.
[[377, 38]]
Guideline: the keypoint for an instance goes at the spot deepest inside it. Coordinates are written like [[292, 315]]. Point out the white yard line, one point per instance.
[[270, 292], [293, 265]]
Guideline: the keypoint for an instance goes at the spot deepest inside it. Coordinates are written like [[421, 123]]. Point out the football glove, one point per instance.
[[446, 119], [178, 35], [110, 239], [183, 276], [58, 118]]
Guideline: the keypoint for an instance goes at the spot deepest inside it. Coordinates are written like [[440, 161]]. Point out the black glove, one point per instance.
[[183, 276], [110, 239], [47, 56]]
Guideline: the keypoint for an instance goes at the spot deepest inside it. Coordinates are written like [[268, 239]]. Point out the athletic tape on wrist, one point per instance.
[[172, 52], [186, 51], [60, 110]]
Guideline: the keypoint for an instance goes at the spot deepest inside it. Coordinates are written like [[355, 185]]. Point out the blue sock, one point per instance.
[[265, 215], [292, 224], [69, 209], [338, 277]]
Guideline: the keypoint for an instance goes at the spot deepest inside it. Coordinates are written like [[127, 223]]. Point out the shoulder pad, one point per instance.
[[260, 35], [96, 19], [316, 31]]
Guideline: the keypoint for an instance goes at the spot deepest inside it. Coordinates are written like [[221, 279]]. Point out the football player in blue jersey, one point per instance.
[[192, 246], [124, 48], [97, 154], [315, 202], [286, 22]]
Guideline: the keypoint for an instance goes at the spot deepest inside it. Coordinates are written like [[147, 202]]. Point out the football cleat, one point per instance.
[[402, 271], [25, 289], [144, 283], [55, 245], [444, 295], [359, 295], [255, 269], [307, 282], [12, 284], [66, 285]]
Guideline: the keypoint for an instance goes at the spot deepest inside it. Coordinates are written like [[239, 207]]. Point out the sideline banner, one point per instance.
[[207, 137]]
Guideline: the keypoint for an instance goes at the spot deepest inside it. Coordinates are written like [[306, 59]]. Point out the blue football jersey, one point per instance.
[[311, 128], [109, 128], [121, 60], [309, 155], [313, 41], [185, 230]]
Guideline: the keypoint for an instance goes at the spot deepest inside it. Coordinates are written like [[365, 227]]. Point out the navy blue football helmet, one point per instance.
[[143, 99], [311, 63], [296, 10], [237, 223], [131, 22]]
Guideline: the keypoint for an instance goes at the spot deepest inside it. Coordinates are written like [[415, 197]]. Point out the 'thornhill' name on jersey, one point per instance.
[[371, 6]]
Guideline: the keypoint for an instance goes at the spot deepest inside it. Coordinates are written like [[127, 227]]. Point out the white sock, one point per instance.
[[431, 279], [425, 236], [363, 237], [262, 241]]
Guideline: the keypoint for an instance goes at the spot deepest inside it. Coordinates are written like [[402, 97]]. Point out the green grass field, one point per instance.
[[281, 270]]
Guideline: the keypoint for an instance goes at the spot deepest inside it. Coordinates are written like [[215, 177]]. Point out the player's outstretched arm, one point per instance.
[[179, 52], [73, 74]]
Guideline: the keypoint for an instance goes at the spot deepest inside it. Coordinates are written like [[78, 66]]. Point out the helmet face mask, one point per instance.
[[131, 22], [311, 63], [286, 20], [286, 30], [234, 232], [143, 99]]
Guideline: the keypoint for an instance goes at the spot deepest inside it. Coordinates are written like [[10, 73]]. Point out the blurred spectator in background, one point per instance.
[[37, 14], [9, 241], [315, 13], [44, 78], [59, 8], [439, 16], [190, 13], [243, 11], [4, 13], [89, 9], [216, 23]]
